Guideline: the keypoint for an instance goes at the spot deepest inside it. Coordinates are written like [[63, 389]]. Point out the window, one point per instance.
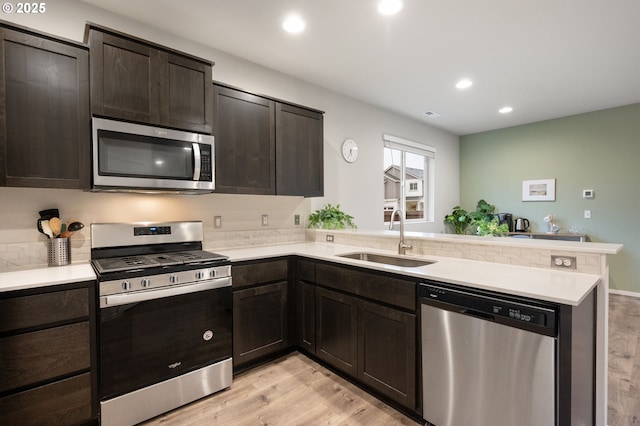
[[408, 179]]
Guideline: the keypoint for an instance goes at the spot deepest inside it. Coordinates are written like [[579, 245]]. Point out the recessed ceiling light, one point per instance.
[[465, 83], [389, 7], [505, 110], [293, 24]]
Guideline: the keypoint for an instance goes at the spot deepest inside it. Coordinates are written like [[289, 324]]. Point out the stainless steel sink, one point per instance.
[[389, 260]]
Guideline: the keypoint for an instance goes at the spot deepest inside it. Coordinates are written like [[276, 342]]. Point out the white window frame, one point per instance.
[[429, 152]]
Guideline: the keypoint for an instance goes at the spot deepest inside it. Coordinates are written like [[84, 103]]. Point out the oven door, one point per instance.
[[148, 341]]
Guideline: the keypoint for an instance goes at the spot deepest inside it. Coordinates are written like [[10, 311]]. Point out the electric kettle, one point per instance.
[[522, 224]]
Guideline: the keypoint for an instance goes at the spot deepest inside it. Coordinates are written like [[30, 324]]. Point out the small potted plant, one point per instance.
[[331, 217], [458, 219]]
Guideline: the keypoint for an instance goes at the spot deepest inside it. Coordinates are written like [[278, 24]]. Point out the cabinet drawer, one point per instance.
[[67, 402], [40, 309], [386, 289], [30, 358], [306, 271], [257, 273]]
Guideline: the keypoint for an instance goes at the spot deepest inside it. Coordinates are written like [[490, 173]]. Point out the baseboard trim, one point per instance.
[[625, 293]]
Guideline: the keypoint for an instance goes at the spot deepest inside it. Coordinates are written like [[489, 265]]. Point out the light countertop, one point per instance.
[[46, 276], [563, 287], [544, 284]]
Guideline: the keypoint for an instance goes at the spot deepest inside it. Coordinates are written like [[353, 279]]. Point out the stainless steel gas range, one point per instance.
[[165, 318]]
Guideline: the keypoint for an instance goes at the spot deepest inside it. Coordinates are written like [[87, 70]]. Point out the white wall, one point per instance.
[[357, 187]]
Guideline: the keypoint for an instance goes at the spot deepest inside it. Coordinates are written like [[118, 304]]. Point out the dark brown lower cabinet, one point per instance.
[[337, 330], [259, 322], [387, 351], [65, 402], [47, 356], [306, 316]]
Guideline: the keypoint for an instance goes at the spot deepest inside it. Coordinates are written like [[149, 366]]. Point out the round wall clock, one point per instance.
[[350, 150]]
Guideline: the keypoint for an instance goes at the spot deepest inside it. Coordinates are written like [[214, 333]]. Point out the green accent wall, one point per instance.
[[598, 150]]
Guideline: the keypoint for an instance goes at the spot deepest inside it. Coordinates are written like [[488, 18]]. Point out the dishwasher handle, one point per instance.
[[477, 314]]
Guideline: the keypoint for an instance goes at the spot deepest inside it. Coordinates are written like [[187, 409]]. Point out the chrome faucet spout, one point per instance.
[[402, 246]]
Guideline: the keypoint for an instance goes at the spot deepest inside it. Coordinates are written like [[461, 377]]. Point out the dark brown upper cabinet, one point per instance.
[[266, 146], [244, 128], [136, 80], [44, 110], [299, 151]]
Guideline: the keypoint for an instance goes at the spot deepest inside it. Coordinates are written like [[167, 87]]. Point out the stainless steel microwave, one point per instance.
[[140, 158]]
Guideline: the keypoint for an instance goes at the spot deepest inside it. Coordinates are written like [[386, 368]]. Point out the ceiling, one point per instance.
[[544, 58]]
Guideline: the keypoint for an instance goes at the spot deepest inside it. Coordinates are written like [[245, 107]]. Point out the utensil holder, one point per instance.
[[58, 252]]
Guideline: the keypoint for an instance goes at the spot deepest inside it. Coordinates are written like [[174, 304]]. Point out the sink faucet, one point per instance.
[[402, 246]]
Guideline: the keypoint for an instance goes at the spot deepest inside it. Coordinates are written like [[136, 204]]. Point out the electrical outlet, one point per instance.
[[330, 238], [217, 221], [296, 219], [587, 214], [564, 262], [265, 220]]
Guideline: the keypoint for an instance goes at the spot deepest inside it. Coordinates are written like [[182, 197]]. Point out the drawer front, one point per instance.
[[257, 273], [30, 358], [306, 271], [40, 309], [67, 402], [386, 289]]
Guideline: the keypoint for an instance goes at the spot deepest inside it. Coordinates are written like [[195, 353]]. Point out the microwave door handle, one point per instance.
[[197, 163]]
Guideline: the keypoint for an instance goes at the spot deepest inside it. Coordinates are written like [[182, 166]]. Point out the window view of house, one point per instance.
[[412, 199]]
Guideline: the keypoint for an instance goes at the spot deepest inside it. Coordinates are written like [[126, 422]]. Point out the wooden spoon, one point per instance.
[[56, 225]]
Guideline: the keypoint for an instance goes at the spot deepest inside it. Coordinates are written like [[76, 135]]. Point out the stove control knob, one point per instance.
[[146, 283], [126, 285], [173, 279], [199, 275]]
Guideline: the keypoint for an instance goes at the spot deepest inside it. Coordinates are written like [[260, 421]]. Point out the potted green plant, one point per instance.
[[331, 217], [485, 222], [458, 219]]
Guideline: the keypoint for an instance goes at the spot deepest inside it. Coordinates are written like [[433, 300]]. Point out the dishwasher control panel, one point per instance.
[[489, 307]]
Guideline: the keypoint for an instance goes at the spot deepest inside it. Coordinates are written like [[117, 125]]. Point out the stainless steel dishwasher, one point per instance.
[[486, 361]]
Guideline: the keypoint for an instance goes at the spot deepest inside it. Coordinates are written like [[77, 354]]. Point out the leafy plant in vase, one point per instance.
[[331, 217]]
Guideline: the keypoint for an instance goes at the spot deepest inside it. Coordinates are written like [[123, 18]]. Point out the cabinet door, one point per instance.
[[123, 78], [186, 93], [245, 142], [337, 329], [387, 352], [306, 316], [299, 151], [135, 81], [44, 112], [259, 322]]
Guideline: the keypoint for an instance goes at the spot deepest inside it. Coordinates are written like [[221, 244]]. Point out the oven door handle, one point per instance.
[[141, 296]]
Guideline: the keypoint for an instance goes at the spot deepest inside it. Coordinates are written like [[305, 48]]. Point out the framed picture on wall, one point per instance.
[[539, 190]]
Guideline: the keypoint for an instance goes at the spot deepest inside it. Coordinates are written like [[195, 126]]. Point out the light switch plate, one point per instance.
[[217, 221], [265, 220]]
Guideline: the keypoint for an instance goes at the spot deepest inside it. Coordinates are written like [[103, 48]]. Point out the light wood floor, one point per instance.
[[292, 390], [295, 390], [624, 361]]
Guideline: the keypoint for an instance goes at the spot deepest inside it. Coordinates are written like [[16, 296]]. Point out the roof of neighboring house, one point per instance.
[[409, 171]]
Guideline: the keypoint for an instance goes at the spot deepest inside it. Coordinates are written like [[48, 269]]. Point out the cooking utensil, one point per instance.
[[66, 234], [49, 213], [75, 226], [56, 225], [46, 228], [41, 229]]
